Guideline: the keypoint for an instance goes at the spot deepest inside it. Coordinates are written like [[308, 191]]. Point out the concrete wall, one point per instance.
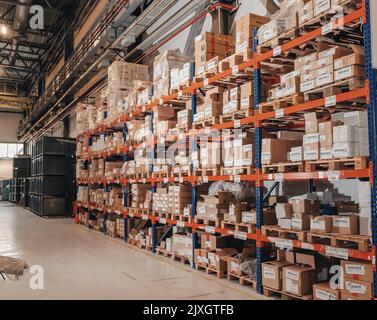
[[6, 169], [9, 126]]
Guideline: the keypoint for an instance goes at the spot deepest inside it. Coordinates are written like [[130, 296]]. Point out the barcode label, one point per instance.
[[240, 235], [237, 124], [237, 179], [337, 252], [279, 177], [210, 229], [235, 70], [330, 101], [181, 224], [277, 51], [279, 113], [327, 28], [333, 175]]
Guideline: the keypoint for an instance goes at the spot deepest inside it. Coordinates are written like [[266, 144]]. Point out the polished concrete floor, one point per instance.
[[82, 264]]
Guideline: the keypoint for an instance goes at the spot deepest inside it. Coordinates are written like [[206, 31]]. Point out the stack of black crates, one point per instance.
[[21, 172], [52, 184]]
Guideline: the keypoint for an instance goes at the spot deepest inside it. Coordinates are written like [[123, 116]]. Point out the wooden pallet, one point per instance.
[[337, 164], [164, 215], [361, 243], [208, 222], [180, 259], [228, 225], [243, 280], [206, 172], [206, 123], [268, 292], [281, 103], [164, 253], [237, 115], [162, 174], [246, 227], [276, 231], [139, 210], [334, 88], [235, 171], [185, 218], [284, 167], [219, 274], [278, 41]]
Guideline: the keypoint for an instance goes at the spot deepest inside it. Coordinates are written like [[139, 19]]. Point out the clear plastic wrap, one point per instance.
[[250, 268], [242, 191], [282, 21]]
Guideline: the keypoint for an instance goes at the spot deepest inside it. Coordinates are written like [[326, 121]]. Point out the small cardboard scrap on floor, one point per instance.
[[12, 266]]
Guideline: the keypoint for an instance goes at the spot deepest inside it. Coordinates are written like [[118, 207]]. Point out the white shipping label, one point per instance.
[[266, 156], [327, 28], [282, 243], [294, 275], [355, 269], [318, 225], [321, 294], [240, 235], [279, 113], [145, 217], [325, 79], [277, 51], [249, 217], [269, 273], [337, 252], [306, 86], [341, 222], [237, 179], [234, 266], [354, 287], [211, 230], [206, 82], [205, 179], [333, 175], [181, 224], [330, 101], [237, 124], [279, 177], [162, 220], [245, 103], [343, 73]]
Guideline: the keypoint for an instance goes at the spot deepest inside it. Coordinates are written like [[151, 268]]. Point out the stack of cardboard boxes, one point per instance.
[[276, 150], [284, 20], [182, 245], [297, 213], [212, 106], [245, 33], [162, 68], [161, 200], [121, 78], [180, 196], [330, 64], [214, 47], [345, 136], [238, 148], [139, 194], [214, 207]]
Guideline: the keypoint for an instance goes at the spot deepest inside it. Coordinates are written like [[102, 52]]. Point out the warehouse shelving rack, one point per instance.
[[369, 92]]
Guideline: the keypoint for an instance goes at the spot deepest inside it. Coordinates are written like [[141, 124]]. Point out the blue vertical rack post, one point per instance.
[[125, 190], [154, 189], [372, 125], [194, 199], [258, 164]]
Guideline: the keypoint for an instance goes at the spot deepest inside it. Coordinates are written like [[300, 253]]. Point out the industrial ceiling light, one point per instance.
[[3, 29]]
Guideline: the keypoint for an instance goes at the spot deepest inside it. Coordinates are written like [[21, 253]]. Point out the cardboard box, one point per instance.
[[245, 27], [212, 242], [275, 151], [283, 210], [306, 11], [301, 221], [305, 205], [298, 280], [345, 150], [346, 296], [272, 274], [358, 288], [285, 223], [346, 225], [311, 122], [355, 58], [323, 291], [325, 134], [296, 154], [349, 72], [218, 259], [321, 224], [357, 270]]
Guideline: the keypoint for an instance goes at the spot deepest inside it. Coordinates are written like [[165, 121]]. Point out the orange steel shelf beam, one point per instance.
[[356, 254]]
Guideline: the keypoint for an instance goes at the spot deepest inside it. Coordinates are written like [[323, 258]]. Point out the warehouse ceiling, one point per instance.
[[24, 51]]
